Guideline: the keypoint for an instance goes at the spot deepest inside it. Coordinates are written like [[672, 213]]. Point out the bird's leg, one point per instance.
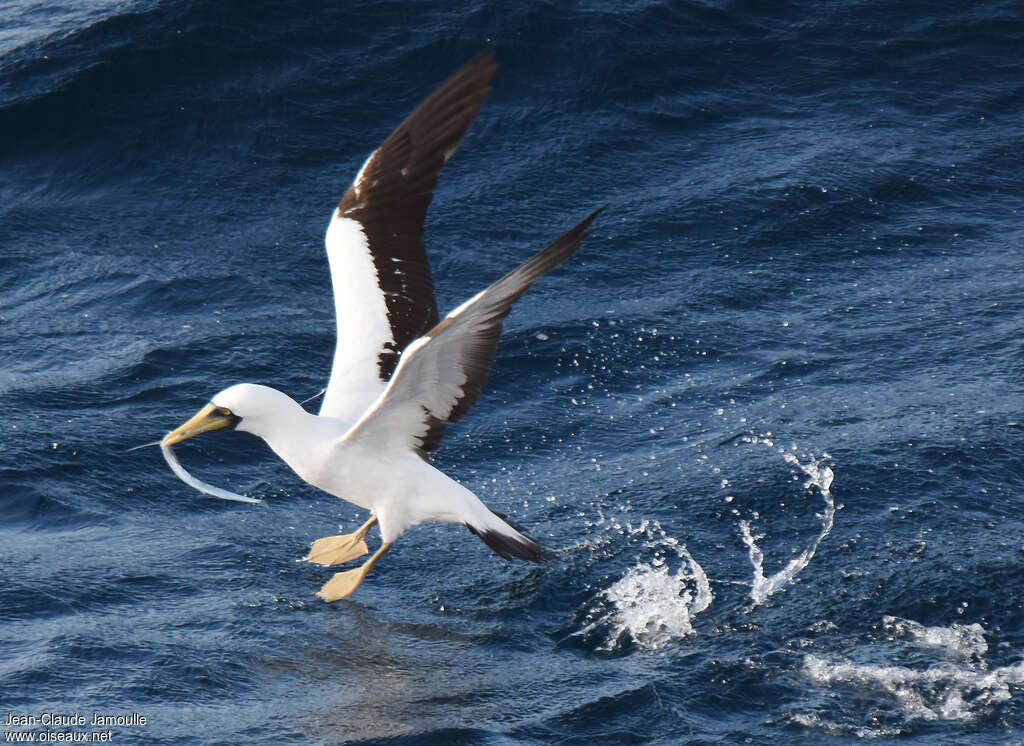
[[333, 550], [344, 584]]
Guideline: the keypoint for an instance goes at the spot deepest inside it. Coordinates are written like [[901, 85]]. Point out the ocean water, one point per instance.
[[769, 417]]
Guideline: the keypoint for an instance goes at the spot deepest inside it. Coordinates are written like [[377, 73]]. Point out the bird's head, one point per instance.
[[243, 407]]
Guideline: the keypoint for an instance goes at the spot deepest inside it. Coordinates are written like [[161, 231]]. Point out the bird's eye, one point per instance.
[[225, 411]]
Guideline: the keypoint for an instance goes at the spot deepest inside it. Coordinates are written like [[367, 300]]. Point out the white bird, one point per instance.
[[399, 373]]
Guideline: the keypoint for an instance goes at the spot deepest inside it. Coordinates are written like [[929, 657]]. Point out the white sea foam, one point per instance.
[[957, 687], [819, 476], [957, 641], [814, 721], [652, 605], [943, 691]]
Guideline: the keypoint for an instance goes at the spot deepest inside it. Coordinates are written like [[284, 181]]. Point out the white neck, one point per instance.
[[285, 426], [302, 440]]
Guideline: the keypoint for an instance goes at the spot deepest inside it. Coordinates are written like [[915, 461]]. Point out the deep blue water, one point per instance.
[[811, 268]]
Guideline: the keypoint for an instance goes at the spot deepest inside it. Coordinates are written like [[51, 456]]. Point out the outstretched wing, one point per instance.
[[383, 292], [441, 375]]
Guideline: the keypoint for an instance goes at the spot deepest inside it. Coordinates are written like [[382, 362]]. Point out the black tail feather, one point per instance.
[[509, 547]]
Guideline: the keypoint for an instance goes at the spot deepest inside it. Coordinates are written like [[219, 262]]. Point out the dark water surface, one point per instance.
[[770, 416]]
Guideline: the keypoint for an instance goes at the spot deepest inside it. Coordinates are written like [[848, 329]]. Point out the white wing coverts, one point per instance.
[[441, 375]]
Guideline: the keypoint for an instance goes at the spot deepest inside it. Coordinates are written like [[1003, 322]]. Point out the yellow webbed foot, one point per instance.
[[333, 550], [344, 584]]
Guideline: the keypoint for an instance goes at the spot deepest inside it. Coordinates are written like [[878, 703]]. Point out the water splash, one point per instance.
[[819, 476], [956, 687], [652, 604], [957, 641], [814, 721]]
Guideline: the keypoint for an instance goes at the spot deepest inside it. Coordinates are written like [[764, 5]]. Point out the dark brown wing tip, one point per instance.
[[480, 67], [484, 59], [553, 254], [583, 227], [575, 235], [466, 88], [446, 114]]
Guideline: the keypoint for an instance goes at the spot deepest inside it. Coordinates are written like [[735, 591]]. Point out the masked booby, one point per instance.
[[399, 371]]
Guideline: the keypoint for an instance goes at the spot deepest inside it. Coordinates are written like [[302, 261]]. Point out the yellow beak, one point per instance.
[[206, 420]]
